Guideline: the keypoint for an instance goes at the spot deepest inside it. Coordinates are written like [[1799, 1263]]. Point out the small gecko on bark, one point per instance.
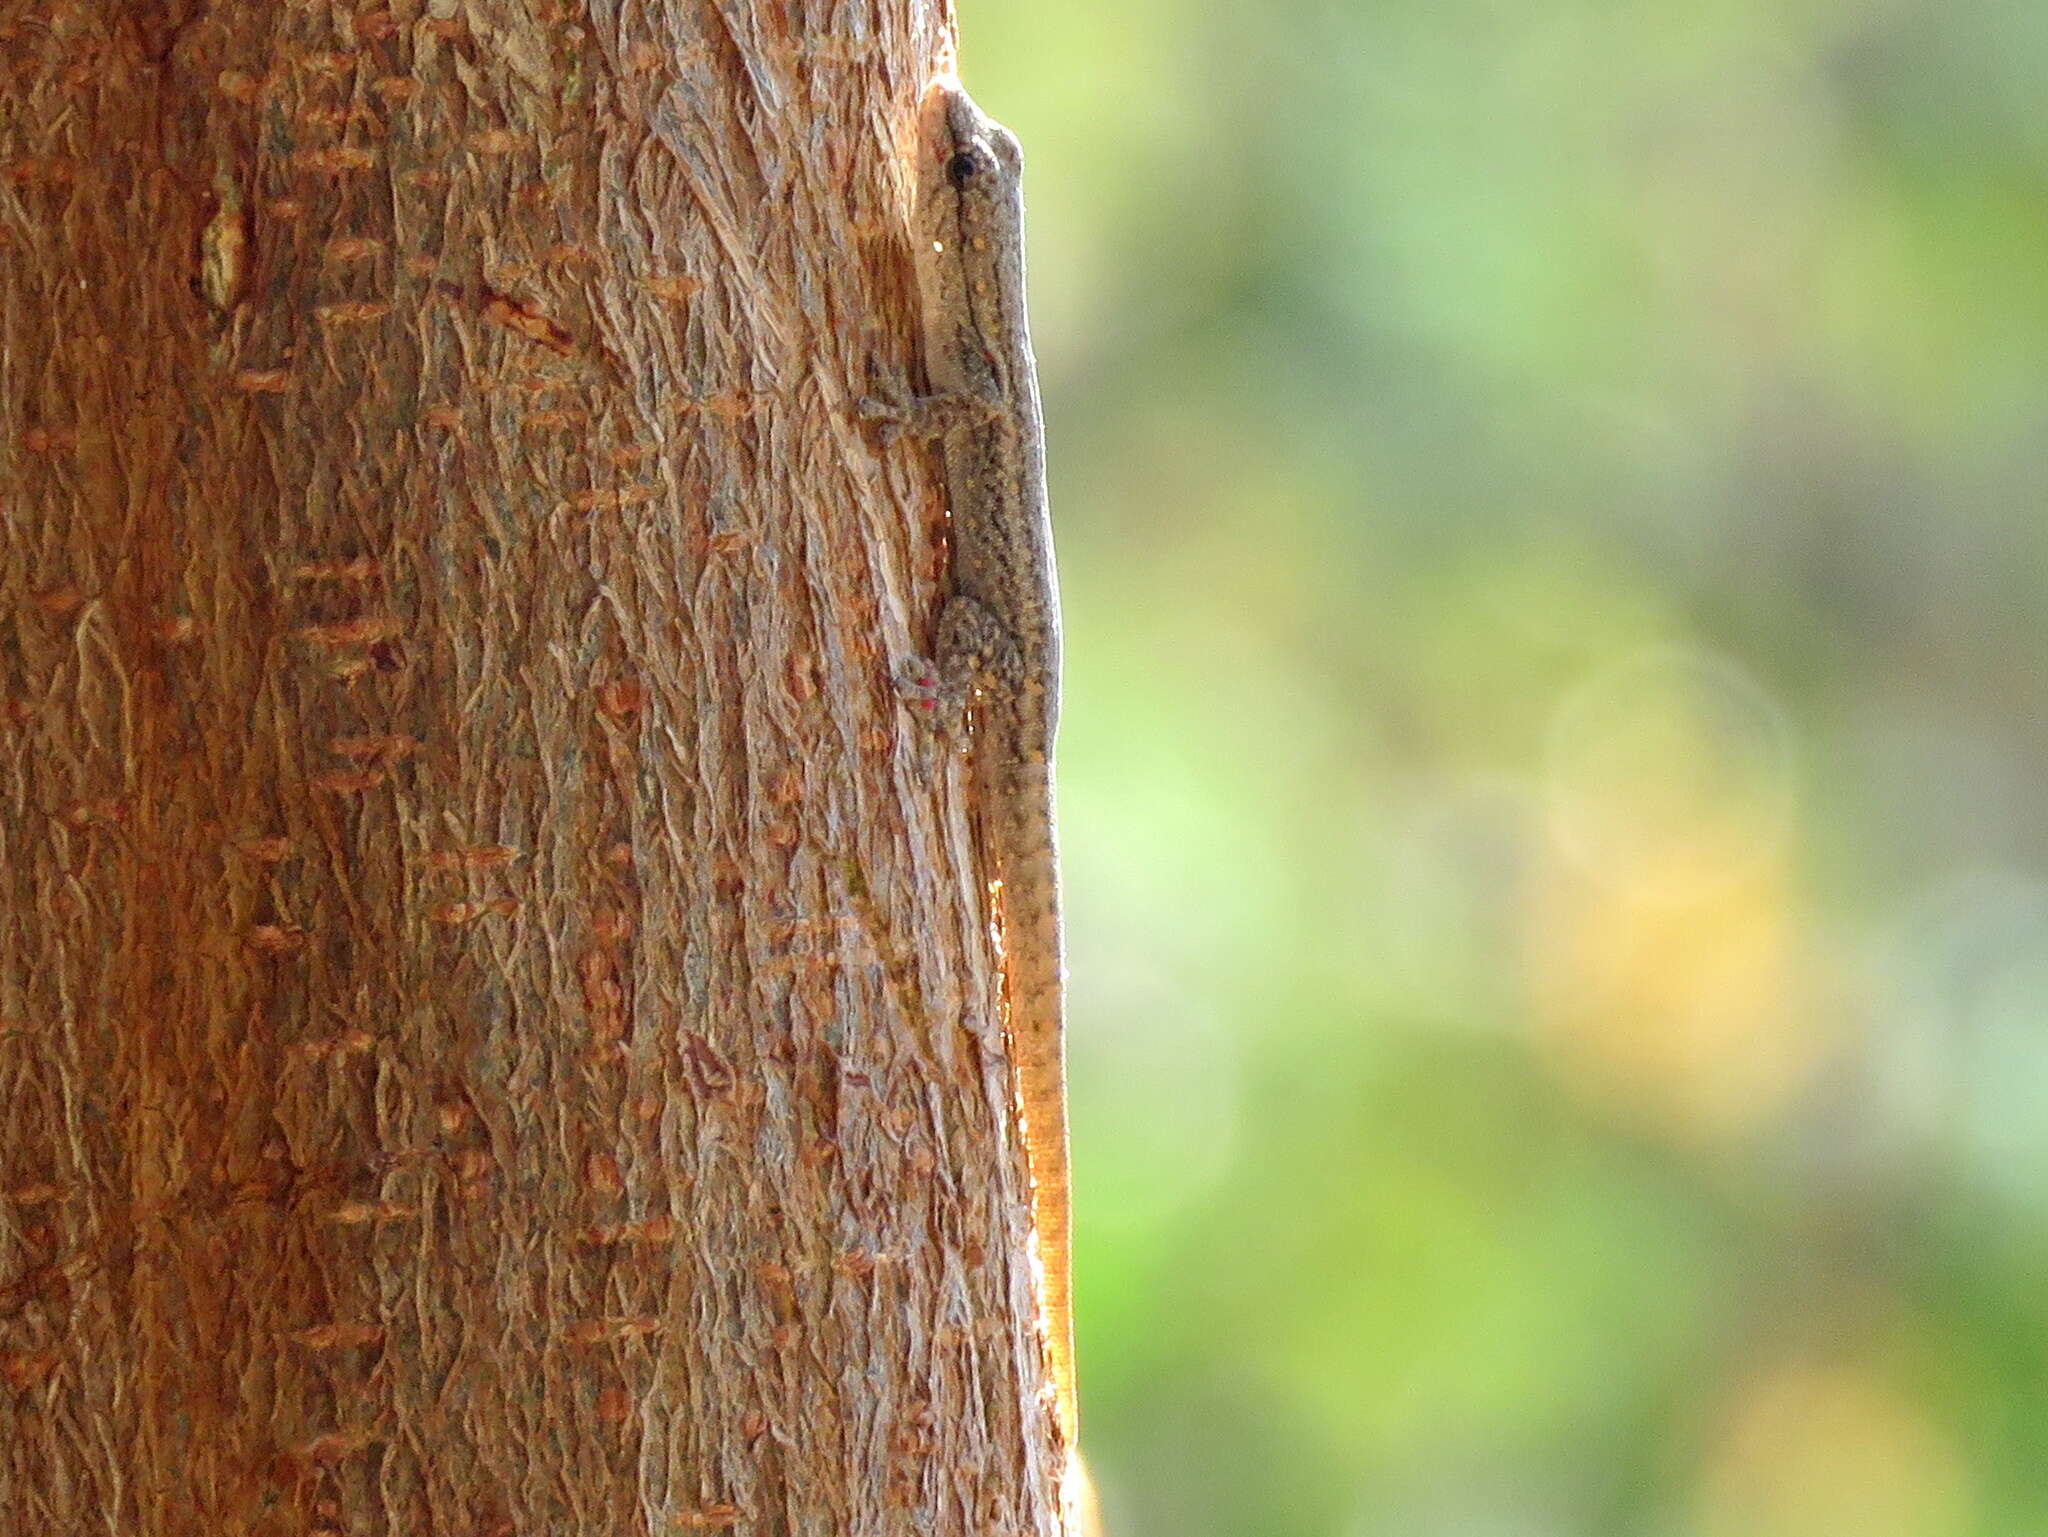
[[998, 633]]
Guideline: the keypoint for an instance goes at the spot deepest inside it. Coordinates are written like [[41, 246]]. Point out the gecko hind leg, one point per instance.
[[974, 651]]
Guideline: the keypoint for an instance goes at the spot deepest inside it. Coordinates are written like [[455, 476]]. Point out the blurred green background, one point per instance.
[[1551, 517]]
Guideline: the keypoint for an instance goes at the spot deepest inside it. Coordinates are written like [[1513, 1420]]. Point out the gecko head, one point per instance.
[[978, 161], [982, 150]]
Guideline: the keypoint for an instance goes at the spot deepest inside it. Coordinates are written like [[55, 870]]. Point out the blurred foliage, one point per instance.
[[1550, 511]]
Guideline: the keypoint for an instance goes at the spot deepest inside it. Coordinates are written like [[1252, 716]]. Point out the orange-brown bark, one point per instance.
[[496, 1023]]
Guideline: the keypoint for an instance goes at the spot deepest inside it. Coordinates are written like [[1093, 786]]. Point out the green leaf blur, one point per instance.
[[1550, 515]]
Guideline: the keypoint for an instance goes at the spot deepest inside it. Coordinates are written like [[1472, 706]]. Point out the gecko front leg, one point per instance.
[[931, 416]]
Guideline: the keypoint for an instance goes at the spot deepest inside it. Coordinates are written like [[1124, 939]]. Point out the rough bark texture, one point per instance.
[[496, 1017]]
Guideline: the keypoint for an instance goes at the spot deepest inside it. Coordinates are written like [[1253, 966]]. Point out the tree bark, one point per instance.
[[497, 1018]]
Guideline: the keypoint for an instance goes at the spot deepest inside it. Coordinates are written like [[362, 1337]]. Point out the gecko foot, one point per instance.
[[891, 419], [922, 688]]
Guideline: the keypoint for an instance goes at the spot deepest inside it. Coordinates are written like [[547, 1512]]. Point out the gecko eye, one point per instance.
[[961, 168]]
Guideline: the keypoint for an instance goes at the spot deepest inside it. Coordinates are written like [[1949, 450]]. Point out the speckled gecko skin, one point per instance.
[[998, 648]]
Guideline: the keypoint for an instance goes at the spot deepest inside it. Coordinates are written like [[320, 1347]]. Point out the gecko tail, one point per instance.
[[1080, 1509]]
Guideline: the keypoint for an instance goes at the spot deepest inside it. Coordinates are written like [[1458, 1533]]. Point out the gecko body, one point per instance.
[[998, 642]]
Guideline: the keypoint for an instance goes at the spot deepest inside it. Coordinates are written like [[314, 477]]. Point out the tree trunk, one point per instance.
[[497, 1018]]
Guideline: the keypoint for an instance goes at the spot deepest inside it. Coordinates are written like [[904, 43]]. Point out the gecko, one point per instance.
[[998, 636]]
